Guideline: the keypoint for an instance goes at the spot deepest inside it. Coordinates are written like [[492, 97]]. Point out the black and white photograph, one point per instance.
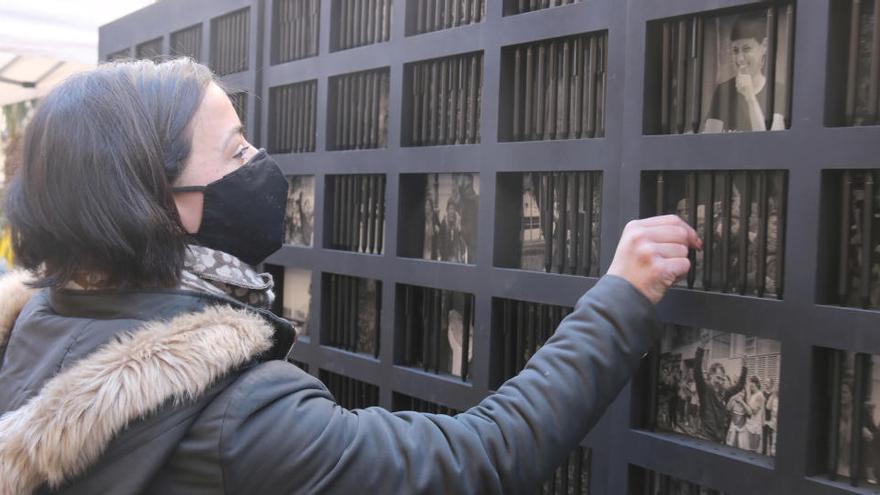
[[573, 476], [352, 309], [297, 297], [356, 208], [854, 432], [359, 118], [557, 89], [663, 484], [719, 386], [744, 259], [521, 328], [724, 73], [444, 98], [861, 88], [740, 51], [451, 204], [857, 222], [561, 214], [437, 330], [299, 217]]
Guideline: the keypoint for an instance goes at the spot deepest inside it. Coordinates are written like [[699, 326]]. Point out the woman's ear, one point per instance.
[[190, 206]]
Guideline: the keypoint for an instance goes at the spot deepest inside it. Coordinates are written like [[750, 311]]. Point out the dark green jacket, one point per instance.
[[174, 392]]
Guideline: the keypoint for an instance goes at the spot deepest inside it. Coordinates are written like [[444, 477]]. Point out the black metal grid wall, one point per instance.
[[187, 42], [829, 131]]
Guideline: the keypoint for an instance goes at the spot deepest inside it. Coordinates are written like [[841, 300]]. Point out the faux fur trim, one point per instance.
[[64, 429], [14, 294]]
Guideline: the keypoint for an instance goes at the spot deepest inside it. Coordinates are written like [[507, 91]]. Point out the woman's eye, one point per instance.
[[240, 152]]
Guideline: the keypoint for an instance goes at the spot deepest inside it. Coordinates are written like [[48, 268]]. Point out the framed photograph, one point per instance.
[[521, 328], [438, 330], [719, 386], [861, 58], [355, 206], [572, 476], [451, 204], [352, 310], [742, 212], [560, 227], [299, 218], [296, 298], [554, 89], [739, 51], [727, 72], [663, 484], [858, 263], [854, 429]]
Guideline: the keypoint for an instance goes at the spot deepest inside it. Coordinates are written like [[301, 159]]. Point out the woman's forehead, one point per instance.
[[744, 41], [215, 115]]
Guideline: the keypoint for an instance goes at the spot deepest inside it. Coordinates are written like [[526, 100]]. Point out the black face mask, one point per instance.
[[243, 212]]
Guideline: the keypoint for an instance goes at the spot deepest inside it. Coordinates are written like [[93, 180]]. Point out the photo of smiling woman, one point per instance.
[[740, 97]]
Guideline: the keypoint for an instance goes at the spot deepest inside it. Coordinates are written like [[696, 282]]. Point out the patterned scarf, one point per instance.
[[219, 273], [210, 271]]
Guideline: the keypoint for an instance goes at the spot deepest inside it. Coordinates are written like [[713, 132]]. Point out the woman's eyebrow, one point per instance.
[[235, 131]]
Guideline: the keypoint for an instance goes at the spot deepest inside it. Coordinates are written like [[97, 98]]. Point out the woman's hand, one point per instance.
[[653, 254], [746, 87]]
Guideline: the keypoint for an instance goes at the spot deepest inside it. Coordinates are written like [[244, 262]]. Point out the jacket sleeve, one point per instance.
[[283, 432], [698, 372], [739, 385]]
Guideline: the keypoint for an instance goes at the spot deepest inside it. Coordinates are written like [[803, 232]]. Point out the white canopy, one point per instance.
[[44, 41]]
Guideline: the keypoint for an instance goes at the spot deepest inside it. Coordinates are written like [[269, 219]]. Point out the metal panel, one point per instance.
[[187, 42], [647, 70]]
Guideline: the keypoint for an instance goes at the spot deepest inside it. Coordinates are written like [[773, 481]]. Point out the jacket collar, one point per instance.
[[64, 429]]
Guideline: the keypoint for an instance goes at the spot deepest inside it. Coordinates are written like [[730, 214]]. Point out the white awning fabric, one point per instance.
[[44, 41]]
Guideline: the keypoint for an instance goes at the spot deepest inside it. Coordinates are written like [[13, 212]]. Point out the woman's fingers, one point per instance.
[[678, 234], [653, 254], [671, 250], [669, 228], [677, 267]]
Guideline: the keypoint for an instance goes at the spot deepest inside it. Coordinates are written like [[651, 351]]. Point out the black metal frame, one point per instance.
[[799, 321]]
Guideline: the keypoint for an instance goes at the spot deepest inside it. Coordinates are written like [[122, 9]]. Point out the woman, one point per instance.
[[740, 103], [138, 357], [771, 413], [738, 409], [755, 402]]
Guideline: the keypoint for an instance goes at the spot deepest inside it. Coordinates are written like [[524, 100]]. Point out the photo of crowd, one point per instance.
[[719, 386], [451, 202], [560, 228], [746, 224]]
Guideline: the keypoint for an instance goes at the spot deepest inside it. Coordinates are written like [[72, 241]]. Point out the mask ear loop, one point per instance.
[[186, 189]]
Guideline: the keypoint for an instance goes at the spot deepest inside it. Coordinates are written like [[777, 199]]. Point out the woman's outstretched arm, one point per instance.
[[283, 432]]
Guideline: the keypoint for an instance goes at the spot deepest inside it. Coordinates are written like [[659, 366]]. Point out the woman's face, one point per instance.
[[219, 147], [748, 55]]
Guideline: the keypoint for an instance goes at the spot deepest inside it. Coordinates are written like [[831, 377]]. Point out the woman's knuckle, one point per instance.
[[644, 252]]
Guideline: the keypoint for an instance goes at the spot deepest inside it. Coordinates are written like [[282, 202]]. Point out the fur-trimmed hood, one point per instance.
[[65, 427]]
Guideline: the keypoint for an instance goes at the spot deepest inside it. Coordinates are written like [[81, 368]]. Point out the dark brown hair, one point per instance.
[[750, 25], [93, 195]]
